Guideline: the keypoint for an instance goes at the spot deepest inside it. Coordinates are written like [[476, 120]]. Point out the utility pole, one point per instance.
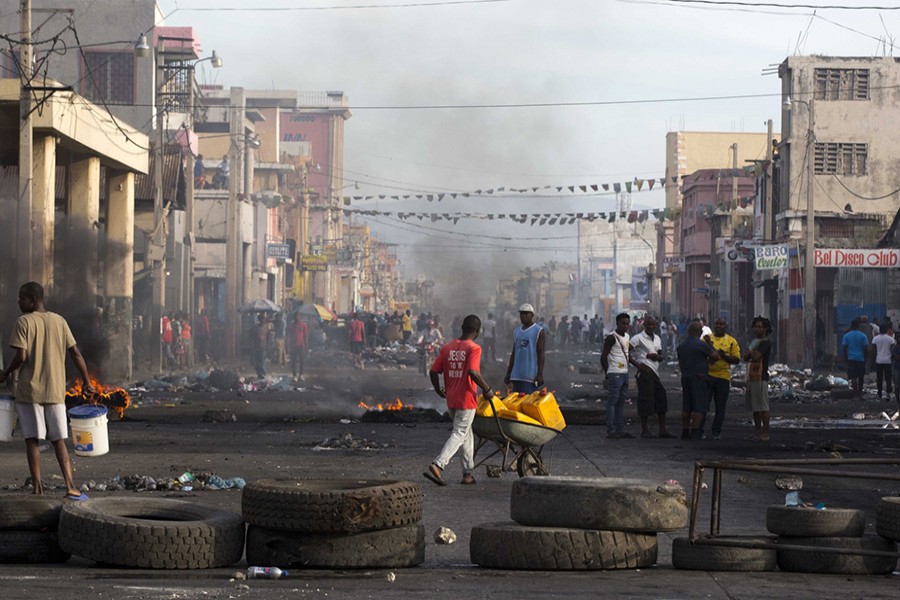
[[26, 143], [809, 296], [768, 232], [233, 250], [157, 241]]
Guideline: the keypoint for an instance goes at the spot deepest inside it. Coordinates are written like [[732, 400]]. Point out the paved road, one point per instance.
[[275, 435]]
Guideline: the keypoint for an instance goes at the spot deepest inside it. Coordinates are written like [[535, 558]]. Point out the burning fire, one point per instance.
[[113, 398], [395, 405]]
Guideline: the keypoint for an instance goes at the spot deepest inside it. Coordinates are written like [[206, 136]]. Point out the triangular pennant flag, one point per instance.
[[533, 221], [632, 216], [583, 188], [430, 197], [501, 189], [612, 217], [552, 221], [594, 186], [628, 186], [674, 178], [639, 183], [605, 187], [453, 196], [440, 197], [534, 189], [617, 187], [642, 216], [559, 188], [455, 220], [572, 188], [651, 183], [491, 191], [346, 200]]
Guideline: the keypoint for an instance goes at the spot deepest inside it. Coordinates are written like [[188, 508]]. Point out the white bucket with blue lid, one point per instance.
[[7, 417], [89, 430]]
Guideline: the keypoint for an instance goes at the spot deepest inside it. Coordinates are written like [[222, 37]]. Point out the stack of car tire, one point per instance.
[[28, 530], [333, 523], [576, 523], [800, 531]]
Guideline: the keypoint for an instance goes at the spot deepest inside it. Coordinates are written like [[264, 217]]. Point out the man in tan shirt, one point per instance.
[[41, 340]]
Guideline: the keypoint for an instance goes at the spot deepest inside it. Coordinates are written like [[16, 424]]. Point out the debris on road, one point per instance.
[[444, 536]]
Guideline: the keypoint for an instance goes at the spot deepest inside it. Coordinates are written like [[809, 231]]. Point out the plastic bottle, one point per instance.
[[265, 573], [792, 499]]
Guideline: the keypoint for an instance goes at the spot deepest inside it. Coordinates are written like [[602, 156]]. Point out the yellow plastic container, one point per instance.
[[514, 400], [484, 407], [513, 415], [544, 409]]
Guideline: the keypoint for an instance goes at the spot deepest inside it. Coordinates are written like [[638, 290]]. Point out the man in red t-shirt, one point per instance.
[[459, 361], [297, 335], [357, 339]]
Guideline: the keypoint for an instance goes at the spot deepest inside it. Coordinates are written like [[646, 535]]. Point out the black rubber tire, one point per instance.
[[705, 557], [887, 518], [792, 521], [29, 513], [513, 546], [610, 504], [394, 548], [810, 561], [331, 505], [531, 465], [152, 533], [30, 547]]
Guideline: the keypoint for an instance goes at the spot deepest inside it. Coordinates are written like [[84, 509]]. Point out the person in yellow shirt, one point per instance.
[[720, 373], [406, 326]]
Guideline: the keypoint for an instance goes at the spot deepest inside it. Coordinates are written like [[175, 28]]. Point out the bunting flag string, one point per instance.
[[636, 184]]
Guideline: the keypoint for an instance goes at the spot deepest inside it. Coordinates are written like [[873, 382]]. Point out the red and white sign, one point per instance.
[[887, 258]]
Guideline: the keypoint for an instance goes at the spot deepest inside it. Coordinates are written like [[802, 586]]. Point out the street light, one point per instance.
[[809, 294]]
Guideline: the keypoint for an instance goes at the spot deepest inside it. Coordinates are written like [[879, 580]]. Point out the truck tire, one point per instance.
[[887, 518], [793, 521], [513, 546], [610, 504], [386, 548], [29, 513], [331, 505], [152, 533], [706, 557], [30, 547], [810, 561]]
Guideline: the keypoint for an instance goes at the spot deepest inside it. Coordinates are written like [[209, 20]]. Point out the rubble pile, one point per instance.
[[145, 483], [348, 442]]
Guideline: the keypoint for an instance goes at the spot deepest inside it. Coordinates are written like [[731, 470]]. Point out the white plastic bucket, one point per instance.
[[7, 417], [89, 432]]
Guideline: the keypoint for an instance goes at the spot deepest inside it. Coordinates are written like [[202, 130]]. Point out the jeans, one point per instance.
[[460, 437], [882, 374], [522, 387], [616, 384], [718, 394]]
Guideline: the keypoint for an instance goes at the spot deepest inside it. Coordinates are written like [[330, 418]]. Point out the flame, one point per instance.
[[112, 397], [395, 405]]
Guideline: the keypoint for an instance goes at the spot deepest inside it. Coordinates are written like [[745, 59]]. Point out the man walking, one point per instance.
[[490, 338], [525, 371], [720, 374], [757, 357], [357, 333], [855, 345], [259, 340], [299, 333], [693, 359], [882, 344], [459, 361], [645, 353], [41, 340], [614, 360]]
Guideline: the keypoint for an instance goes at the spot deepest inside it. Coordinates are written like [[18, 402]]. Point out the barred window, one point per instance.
[[836, 158], [835, 228], [9, 64], [842, 84], [108, 77]]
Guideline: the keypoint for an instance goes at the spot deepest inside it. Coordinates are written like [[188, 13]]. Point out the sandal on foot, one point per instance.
[[434, 473], [78, 498]]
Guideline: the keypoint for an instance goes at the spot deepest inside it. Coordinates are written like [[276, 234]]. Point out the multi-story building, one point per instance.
[[839, 156]]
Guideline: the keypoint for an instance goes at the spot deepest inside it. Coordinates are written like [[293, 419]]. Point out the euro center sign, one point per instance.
[[887, 258], [771, 257]]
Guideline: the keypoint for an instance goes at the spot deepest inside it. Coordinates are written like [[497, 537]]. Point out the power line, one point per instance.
[[782, 5], [348, 7]]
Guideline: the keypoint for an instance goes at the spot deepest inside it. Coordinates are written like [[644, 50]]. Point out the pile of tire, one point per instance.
[[28, 530], [834, 529], [151, 533], [579, 523], [333, 523]]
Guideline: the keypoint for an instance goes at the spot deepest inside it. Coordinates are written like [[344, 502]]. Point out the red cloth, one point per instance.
[[357, 331], [166, 330], [455, 360], [299, 331]]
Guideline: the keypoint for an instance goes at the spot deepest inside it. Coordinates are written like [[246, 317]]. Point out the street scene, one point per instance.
[[481, 297]]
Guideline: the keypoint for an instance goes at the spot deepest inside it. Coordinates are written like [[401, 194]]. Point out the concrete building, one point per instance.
[[688, 152], [840, 119]]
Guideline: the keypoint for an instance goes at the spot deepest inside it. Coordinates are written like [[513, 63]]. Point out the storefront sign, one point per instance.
[[771, 257], [278, 251], [848, 257], [673, 264], [310, 262]]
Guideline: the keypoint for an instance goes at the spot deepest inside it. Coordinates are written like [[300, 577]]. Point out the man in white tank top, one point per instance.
[[614, 360]]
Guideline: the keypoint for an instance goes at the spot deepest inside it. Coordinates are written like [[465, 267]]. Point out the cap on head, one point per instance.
[[526, 308]]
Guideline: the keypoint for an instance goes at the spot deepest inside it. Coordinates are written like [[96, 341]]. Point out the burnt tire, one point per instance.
[[152, 533], [30, 547], [331, 505], [887, 518], [395, 548], [611, 504], [29, 513], [707, 557], [810, 561], [513, 546], [793, 521]]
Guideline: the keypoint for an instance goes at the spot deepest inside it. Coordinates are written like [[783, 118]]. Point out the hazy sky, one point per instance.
[[608, 52]]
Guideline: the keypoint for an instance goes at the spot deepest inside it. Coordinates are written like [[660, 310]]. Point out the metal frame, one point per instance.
[[776, 466]]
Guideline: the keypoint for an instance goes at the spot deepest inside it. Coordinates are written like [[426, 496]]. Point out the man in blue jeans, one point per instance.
[[614, 360]]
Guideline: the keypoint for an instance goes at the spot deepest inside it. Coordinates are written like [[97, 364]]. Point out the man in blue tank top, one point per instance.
[[526, 362]]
